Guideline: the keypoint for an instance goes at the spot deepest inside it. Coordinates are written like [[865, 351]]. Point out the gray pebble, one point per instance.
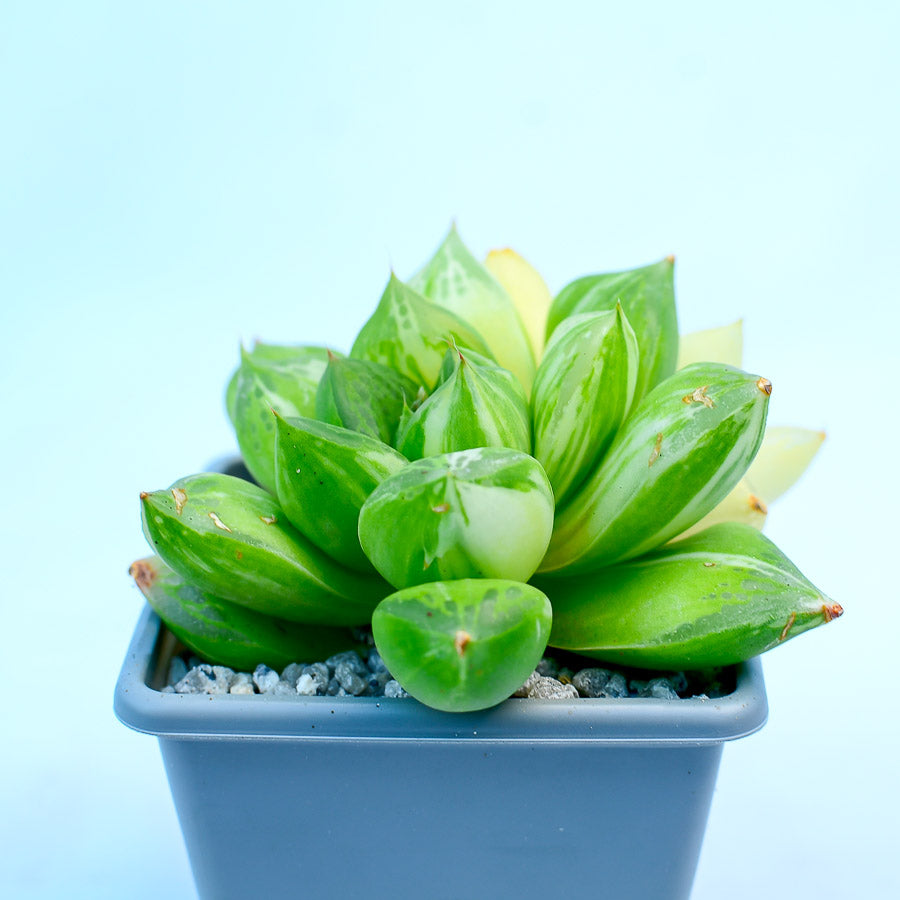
[[375, 662], [177, 670], [377, 681], [291, 673], [320, 675], [206, 679], [265, 678], [350, 658], [393, 689], [283, 689], [526, 687], [659, 689], [679, 682], [352, 682], [550, 689], [591, 682], [616, 686], [241, 684], [168, 689], [334, 688]]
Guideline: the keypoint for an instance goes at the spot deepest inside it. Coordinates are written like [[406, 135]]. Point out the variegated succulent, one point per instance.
[[491, 469]]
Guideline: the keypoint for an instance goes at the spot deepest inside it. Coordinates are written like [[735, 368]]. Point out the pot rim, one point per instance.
[[645, 721]]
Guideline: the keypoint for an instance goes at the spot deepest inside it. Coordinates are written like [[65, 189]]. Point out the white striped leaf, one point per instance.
[[483, 513], [680, 452], [583, 391], [476, 404], [453, 278]]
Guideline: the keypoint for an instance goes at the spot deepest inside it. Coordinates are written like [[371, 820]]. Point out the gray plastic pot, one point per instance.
[[339, 797]]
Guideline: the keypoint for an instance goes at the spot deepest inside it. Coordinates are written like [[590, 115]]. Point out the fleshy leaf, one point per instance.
[[226, 633], [363, 396], [722, 345], [232, 540], [323, 475], [647, 295], [484, 513], [411, 334], [476, 404], [783, 457], [454, 279], [583, 391], [528, 290], [271, 377], [679, 453], [463, 645], [720, 597]]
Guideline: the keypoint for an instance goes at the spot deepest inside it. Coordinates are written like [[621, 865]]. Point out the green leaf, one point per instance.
[[363, 396], [228, 634], [722, 596], [583, 391], [454, 279], [682, 449], [464, 645], [271, 377], [484, 513], [411, 334], [231, 539], [323, 475], [647, 295], [476, 404]]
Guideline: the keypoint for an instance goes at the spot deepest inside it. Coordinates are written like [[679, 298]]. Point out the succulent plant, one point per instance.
[[491, 470]]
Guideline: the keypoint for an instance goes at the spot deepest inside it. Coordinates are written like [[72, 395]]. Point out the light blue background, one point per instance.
[[176, 177]]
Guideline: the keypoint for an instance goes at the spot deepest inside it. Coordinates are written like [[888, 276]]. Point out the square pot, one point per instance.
[[385, 798]]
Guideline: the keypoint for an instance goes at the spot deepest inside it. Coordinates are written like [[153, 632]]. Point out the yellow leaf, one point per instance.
[[722, 345], [528, 290], [782, 459]]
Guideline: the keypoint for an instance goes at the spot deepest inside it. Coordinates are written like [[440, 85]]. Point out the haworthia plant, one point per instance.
[[227, 633], [231, 539], [685, 446], [484, 513], [323, 475], [454, 279], [271, 377], [720, 597], [363, 396], [463, 645], [476, 404], [583, 391], [647, 295], [411, 334], [440, 461]]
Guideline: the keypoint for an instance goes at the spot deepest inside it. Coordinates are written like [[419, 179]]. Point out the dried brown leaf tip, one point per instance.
[[143, 574], [757, 505], [657, 449], [462, 641], [699, 396], [219, 523], [832, 611], [180, 498], [764, 385], [784, 631]]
